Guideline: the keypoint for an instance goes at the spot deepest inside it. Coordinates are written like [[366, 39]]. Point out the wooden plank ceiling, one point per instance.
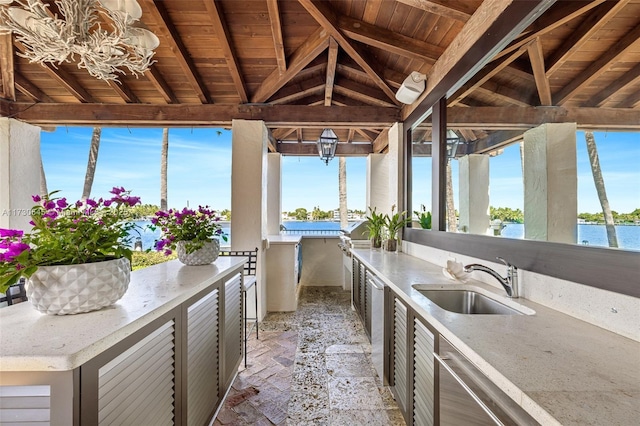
[[302, 65]]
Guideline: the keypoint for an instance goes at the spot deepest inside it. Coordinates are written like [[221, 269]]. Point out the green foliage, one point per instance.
[[395, 222], [300, 213], [621, 218], [505, 214], [68, 234], [195, 227], [225, 214], [142, 259], [375, 225], [424, 217], [142, 211]]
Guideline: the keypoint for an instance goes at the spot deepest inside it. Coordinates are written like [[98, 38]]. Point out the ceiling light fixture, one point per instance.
[[411, 88], [327, 144], [103, 36]]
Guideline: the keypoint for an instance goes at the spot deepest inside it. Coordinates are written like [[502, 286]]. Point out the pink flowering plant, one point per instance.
[[194, 227], [68, 234]]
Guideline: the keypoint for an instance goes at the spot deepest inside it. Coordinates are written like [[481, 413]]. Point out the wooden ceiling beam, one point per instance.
[[154, 76], [484, 75], [494, 140], [299, 135], [506, 94], [298, 95], [457, 10], [31, 90], [596, 19], [309, 149], [64, 78], [632, 101], [276, 31], [331, 71], [381, 142], [123, 91], [597, 67], [350, 135], [7, 70], [389, 41], [282, 133], [168, 32], [536, 56], [214, 8], [393, 78], [630, 77], [327, 19], [360, 92], [315, 44], [557, 15], [371, 9]]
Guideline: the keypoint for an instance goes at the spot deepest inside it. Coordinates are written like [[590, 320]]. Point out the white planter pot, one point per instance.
[[204, 256], [73, 289]]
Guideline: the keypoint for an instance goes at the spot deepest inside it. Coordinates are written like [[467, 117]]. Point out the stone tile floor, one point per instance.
[[310, 367]]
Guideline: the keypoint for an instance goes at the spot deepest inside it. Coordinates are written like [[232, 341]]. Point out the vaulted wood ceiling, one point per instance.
[[302, 65]]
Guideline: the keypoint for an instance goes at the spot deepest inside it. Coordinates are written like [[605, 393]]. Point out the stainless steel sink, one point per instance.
[[467, 302]]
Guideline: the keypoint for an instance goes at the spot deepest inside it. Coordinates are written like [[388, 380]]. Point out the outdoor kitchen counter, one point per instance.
[[559, 369], [31, 341]]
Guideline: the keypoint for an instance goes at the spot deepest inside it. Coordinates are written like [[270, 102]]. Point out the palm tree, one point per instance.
[[163, 169], [91, 164], [600, 188], [342, 189], [451, 209], [43, 180]]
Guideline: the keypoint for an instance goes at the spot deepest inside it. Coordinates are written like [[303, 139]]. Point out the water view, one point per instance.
[[593, 235]]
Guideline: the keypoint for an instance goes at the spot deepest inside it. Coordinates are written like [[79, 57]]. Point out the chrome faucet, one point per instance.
[[510, 283]]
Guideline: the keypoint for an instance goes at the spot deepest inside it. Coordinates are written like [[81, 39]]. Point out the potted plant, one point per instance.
[[77, 257], [193, 233], [375, 225], [424, 217], [392, 225]]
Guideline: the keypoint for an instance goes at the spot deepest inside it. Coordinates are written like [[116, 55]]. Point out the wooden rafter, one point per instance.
[[31, 90], [536, 56], [389, 41], [558, 15], [308, 51], [64, 78], [169, 34], [350, 135], [331, 71], [484, 75], [299, 134], [327, 19], [195, 115], [630, 77], [214, 8], [123, 91], [299, 94], [393, 78], [632, 101], [596, 19], [504, 93], [457, 10], [493, 141], [276, 31], [311, 149], [8, 67], [598, 67], [381, 142], [282, 133], [154, 76], [360, 92]]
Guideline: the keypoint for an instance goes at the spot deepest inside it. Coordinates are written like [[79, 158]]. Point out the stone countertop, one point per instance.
[[284, 239], [31, 341], [559, 369]]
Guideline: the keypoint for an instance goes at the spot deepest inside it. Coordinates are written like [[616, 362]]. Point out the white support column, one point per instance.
[[551, 183], [249, 195], [19, 172], [474, 194], [274, 191], [385, 174]]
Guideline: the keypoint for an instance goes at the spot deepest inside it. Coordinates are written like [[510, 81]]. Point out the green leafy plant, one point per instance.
[[395, 222], [375, 226], [195, 227], [424, 217], [68, 234]]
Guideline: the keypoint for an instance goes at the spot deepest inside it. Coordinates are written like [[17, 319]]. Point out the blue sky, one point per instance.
[[199, 170]]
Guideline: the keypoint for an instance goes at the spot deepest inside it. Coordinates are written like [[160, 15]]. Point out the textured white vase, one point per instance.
[[73, 289], [203, 256]]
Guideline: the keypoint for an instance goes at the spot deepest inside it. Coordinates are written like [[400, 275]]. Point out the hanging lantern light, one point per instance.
[[327, 144]]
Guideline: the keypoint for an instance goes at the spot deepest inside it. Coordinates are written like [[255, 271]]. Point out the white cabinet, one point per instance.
[[282, 274]]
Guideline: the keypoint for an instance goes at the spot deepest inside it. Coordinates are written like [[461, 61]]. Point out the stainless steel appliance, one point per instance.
[[354, 236]]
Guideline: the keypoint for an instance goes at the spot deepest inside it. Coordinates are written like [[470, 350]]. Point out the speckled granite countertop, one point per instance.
[[31, 341], [559, 369]]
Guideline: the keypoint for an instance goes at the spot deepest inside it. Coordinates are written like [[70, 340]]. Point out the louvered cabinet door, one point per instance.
[[203, 344], [423, 376], [355, 284], [137, 387], [399, 358], [232, 350]]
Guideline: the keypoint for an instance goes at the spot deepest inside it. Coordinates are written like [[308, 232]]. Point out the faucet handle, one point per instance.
[[507, 264]]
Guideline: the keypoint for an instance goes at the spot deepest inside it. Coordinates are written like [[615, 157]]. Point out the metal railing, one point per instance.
[[332, 232]]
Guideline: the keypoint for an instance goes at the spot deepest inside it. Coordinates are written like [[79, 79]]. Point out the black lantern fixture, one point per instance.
[[327, 144]]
